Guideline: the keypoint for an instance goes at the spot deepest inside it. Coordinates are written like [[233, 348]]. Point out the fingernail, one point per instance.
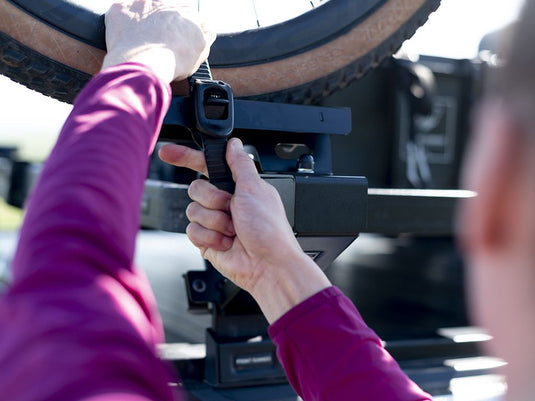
[[236, 143]]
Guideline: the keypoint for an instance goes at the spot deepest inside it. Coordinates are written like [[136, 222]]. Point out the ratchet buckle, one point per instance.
[[213, 104]]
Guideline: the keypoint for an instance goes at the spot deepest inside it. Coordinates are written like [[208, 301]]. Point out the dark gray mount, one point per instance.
[[290, 145]]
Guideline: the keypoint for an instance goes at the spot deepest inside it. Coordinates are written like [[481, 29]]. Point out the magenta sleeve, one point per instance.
[[330, 354], [79, 321]]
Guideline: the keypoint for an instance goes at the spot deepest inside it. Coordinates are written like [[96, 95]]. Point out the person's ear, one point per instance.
[[484, 222]]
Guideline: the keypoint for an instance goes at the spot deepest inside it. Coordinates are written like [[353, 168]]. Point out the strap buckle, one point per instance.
[[214, 107]]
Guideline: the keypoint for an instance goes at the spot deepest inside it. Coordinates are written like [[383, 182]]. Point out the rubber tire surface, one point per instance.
[[44, 59]]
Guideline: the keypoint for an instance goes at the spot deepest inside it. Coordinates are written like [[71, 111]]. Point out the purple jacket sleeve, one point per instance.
[[330, 354], [79, 321]]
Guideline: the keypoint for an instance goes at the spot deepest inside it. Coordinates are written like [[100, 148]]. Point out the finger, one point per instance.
[[114, 10], [209, 196], [241, 165], [182, 156], [210, 34], [214, 220], [202, 237], [140, 7]]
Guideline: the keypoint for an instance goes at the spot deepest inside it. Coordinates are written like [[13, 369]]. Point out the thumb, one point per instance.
[[241, 165]]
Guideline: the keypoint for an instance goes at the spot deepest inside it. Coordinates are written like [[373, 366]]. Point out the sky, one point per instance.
[[453, 31]]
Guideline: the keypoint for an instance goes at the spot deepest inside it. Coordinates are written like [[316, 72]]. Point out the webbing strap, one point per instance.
[[214, 147]]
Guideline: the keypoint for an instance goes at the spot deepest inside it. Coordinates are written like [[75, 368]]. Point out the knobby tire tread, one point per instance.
[[39, 73], [52, 78], [313, 92]]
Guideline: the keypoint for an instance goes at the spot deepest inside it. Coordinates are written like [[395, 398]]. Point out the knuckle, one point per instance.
[[272, 191], [221, 220], [217, 240], [214, 197], [253, 184], [190, 232], [193, 189], [190, 211]]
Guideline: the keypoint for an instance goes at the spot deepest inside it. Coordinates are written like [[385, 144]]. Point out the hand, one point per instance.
[[165, 35], [246, 236]]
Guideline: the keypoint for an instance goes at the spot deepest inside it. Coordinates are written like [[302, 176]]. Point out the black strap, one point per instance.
[[203, 72], [215, 150]]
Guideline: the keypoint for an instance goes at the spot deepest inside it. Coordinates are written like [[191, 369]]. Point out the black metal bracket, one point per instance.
[[205, 286], [327, 213], [387, 211], [269, 117], [316, 206]]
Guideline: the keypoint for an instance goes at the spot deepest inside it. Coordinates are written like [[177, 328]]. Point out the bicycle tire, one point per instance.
[[57, 61]]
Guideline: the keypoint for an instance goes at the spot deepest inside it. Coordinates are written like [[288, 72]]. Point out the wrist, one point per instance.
[[283, 286], [160, 61]]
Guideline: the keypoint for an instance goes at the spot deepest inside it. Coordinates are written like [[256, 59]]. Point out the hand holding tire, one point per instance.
[[165, 35]]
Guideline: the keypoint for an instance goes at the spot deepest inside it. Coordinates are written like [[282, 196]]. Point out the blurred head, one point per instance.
[[497, 228]]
